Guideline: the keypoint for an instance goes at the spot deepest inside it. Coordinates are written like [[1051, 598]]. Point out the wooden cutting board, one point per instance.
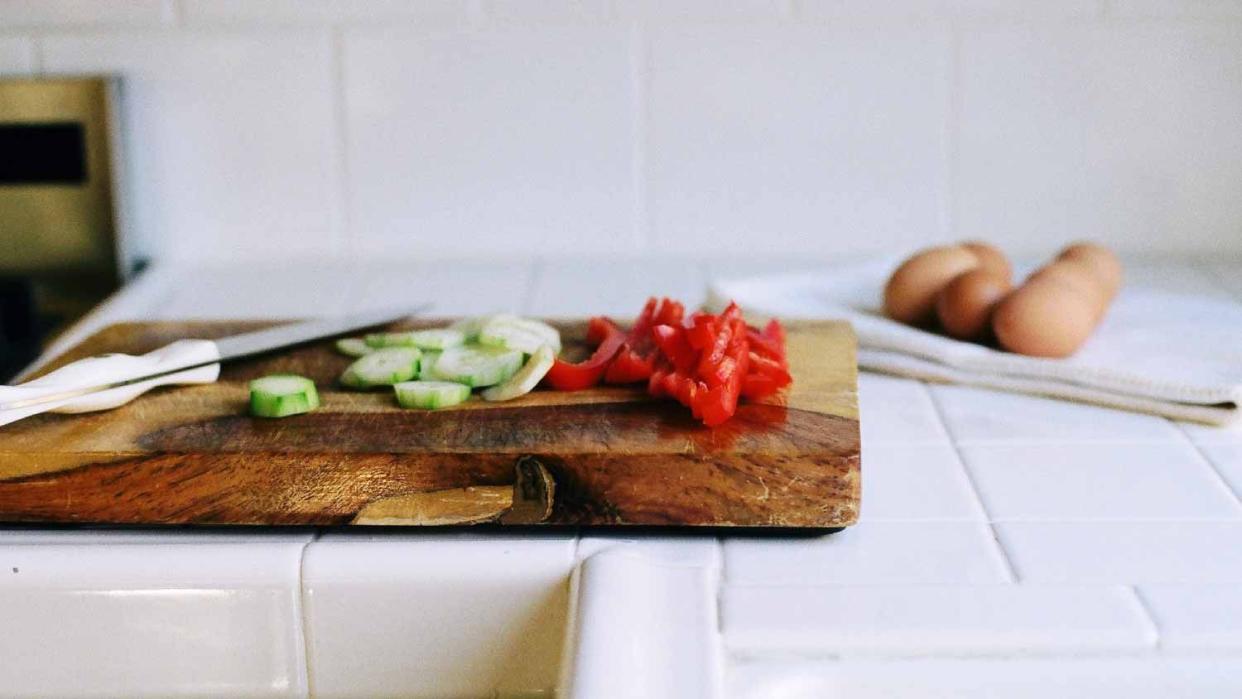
[[606, 456]]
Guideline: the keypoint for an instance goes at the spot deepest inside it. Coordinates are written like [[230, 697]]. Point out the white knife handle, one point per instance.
[[113, 368]]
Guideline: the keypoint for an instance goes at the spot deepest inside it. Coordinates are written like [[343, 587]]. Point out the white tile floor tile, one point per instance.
[[689, 550], [643, 629], [111, 537], [1098, 481], [880, 553], [435, 616], [1226, 457], [151, 620], [897, 411], [1019, 678], [1213, 434], [976, 415], [617, 287], [940, 620], [1124, 552], [924, 481], [1196, 617]]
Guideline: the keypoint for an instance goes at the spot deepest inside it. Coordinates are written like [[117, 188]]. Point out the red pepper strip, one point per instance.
[[756, 386], [701, 330], [766, 367], [599, 329], [636, 361], [764, 345], [629, 367], [565, 376], [729, 325], [776, 332], [671, 339]]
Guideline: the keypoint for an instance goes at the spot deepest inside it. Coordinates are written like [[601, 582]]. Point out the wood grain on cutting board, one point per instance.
[[607, 456]]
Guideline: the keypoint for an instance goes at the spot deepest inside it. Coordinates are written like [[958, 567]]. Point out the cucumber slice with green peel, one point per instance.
[[470, 327], [383, 367], [521, 334], [526, 378], [430, 395], [427, 365], [437, 338], [281, 395], [382, 340], [353, 347], [476, 365]]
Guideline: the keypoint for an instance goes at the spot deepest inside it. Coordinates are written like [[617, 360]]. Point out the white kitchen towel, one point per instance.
[[1168, 354]]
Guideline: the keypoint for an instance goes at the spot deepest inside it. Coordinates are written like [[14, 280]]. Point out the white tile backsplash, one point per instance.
[[1226, 457], [151, 620], [16, 56], [210, 12], [1097, 130], [1098, 481], [795, 137], [1176, 9], [42, 14], [941, 619], [547, 157], [229, 139], [880, 553], [837, 128]]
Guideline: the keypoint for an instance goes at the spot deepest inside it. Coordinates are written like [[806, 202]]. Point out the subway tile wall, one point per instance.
[[485, 128]]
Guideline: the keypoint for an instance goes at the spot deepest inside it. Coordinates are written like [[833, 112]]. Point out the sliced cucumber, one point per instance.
[[475, 365], [525, 380], [381, 340], [383, 367], [353, 347], [470, 327], [437, 338], [522, 334], [430, 395], [434, 339], [281, 395], [427, 365]]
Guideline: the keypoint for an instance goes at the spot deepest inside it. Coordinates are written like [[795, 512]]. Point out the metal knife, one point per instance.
[[110, 380]]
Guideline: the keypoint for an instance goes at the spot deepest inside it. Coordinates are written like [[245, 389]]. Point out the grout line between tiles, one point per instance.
[[1010, 570], [304, 625], [639, 71], [1211, 465], [1148, 612], [952, 132], [535, 269], [339, 143]]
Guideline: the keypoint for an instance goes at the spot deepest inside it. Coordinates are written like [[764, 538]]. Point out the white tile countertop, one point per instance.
[[1008, 546]]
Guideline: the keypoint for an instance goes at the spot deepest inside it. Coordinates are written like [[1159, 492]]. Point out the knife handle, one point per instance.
[[113, 368]]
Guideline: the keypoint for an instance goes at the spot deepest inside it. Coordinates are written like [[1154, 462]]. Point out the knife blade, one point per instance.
[[44, 391]]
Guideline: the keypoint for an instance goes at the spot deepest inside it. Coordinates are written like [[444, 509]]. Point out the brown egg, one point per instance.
[[965, 306], [991, 258], [910, 295], [1044, 318], [1080, 276], [1101, 259]]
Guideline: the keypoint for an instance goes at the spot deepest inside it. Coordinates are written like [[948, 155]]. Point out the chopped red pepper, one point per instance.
[[565, 376], [706, 362]]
